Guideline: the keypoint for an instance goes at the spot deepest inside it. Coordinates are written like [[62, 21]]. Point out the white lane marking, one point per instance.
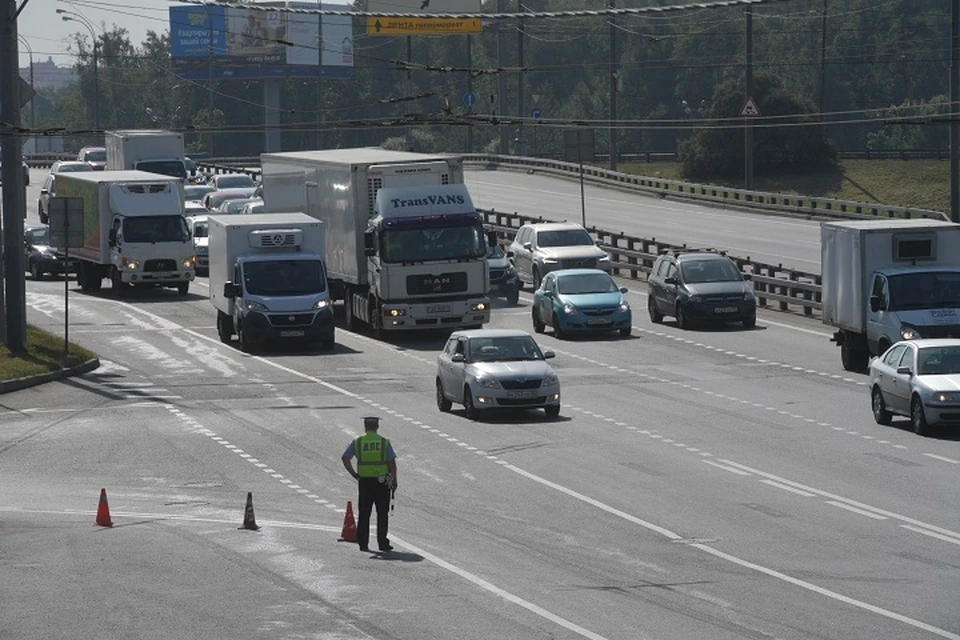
[[805, 494], [932, 534], [863, 512], [941, 458], [739, 472]]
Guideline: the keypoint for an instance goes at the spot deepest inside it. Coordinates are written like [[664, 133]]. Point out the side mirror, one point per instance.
[[670, 280], [548, 294], [369, 244], [458, 357], [492, 238], [528, 246], [623, 289], [747, 276], [549, 354], [510, 254], [231, 290], [112, 237], [876, 303], [904, 371], [44, 190]]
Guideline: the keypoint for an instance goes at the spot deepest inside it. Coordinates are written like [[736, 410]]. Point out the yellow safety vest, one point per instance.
[[371, 452]]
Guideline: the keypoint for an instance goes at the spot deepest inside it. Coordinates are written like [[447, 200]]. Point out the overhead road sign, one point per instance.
[[422, 26]]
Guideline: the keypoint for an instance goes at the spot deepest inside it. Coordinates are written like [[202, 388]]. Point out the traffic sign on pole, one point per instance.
[[535, 112], [750, 109], [469, 99]]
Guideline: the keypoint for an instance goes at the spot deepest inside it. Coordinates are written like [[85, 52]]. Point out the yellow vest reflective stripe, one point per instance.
[[371, 452]]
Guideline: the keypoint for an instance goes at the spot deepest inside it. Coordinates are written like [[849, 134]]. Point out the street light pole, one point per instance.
[[71, 16], [33, 122]]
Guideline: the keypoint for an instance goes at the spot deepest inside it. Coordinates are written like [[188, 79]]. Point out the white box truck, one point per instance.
[[134, 230], [268, 281], [406, 247], [889, 280], [152, 150]]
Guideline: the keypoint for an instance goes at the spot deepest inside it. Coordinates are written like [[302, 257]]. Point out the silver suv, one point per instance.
[[542, 247]]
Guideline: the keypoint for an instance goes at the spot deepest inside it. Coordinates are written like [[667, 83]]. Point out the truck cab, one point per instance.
[[911, 303]]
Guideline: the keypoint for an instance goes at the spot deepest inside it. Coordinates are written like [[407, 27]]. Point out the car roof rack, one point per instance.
[[676, 251]]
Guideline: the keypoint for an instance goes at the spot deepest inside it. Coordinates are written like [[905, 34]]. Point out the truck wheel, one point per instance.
[[224, 327], [117, 284], [183, 288], [245, 343], [852, 358], [35, 272], [513, 297], [376, 320], [349, 320]]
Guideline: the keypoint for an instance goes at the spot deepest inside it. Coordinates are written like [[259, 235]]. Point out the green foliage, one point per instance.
[[911, 125]]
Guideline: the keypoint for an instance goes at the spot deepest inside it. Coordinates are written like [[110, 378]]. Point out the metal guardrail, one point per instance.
[[633, 257], [806, 205]]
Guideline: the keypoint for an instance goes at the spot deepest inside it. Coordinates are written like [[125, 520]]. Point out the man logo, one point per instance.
[[278, 239], [291, 318]]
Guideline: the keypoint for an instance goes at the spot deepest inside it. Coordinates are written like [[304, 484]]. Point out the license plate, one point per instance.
[[598, 321], [726, 310], [291, 334], [521, 394], [438, 308]]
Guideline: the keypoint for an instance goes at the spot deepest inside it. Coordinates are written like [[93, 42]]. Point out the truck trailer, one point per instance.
[[406, 247], [134, 230], [268, 281], [152, 150], [889, 280]]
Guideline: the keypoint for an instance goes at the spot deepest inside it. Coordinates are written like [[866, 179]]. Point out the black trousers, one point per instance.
[[373, 493]]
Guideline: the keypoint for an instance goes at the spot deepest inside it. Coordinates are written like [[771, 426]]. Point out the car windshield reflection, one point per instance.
[[938, 361], [504, 349]]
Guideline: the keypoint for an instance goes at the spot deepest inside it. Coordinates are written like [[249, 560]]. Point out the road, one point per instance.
[[698, 484]]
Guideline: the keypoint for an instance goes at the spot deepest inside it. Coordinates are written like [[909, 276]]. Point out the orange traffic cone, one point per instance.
[[103, 511], [349, 532], [249, 522]]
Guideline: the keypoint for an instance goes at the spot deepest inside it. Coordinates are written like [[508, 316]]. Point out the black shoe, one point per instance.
[[364, 548], [387, 548]]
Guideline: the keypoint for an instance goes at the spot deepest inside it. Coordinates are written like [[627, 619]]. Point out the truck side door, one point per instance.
[[880, 322]]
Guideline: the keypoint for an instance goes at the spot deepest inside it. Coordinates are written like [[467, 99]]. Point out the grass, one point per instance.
[[924, 184], [42, 353]]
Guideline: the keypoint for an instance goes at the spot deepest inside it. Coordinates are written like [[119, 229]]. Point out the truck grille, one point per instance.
[[935, 331], [444, 283], [162, 264], [521, 384]]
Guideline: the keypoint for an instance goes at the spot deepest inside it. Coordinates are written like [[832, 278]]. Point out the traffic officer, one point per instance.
[[376, 475]]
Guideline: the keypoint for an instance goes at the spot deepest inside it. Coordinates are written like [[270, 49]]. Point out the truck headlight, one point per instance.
[[909, 333], [132, 265], [253, 305], [488, 383], [321, 304], [189, 262], [569, 309], [394, 313], [480, 306]]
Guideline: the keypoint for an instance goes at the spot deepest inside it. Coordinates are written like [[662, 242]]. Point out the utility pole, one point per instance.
[[14, 196], [469, 89], [614, 88], [33, 113], [501, 82], [209, 87], [823, 59], [747, 122], [519, 147], [954, 119]]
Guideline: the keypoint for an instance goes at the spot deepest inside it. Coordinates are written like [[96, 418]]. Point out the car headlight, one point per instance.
[[747, 296], [947, 396], [321, 304], [909, 333], [253, 305], [550, 261], [569, 309], [550, 380], [624, 306], [188, 262], [696, 298], [604, 258], [488, 383]]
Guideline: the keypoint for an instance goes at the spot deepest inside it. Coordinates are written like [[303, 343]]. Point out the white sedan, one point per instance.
[[919, 379], [486, 369]]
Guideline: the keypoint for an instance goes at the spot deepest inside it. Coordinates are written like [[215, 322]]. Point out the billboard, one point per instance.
[[235, 42]]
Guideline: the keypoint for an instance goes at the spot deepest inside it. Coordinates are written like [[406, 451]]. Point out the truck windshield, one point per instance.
[[284, 278], [174, 168], [420, 245], [155, 229], [924, 290]]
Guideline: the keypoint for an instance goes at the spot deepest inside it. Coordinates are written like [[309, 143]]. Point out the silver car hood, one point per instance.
[[517, 369], [944, 382], [563, 253]]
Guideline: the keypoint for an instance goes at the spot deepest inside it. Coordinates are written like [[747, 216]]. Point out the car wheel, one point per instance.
[[35, 272], [536, 278], [749, 323], [183, 288], [557, 332], [552, 410], [513, 297], [538, 326], [918, 419], [625, 332], [655, 316], [442, 403], [681, 316], [880, 413], [468, 407]]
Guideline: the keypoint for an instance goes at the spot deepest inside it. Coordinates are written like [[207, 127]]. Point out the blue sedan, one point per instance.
[[580, 300]]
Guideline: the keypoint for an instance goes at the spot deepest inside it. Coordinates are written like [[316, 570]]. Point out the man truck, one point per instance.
[[406, 247], [156, 151], [134, 232], [268, 281], [889, 280]]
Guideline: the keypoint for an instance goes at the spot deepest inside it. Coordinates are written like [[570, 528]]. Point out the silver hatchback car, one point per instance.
[[485, 369], [919, 379]]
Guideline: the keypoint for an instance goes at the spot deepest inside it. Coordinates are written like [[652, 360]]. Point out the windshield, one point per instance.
[[418, 245], [155, 229], [938, 361], [201, 229], [173, 168], [231, 206], [235, 182], [196, 191], [564, 238], [95, 156], [709, 271], [504, 349], [284, 278], [586, 283], [929, 290], [37, 236], [494, 251]]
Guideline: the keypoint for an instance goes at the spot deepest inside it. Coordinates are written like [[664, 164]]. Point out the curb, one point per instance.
[[59, 374]]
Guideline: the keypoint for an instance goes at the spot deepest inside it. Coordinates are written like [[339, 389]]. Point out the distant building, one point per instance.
[[47, 75]]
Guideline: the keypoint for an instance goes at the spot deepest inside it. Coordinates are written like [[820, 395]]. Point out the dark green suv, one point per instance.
[[697, 285]]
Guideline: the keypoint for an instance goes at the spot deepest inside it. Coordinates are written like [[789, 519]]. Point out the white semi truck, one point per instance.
[[134, 230], [152, 150], [406, 247], [889, 280], [268, 281]]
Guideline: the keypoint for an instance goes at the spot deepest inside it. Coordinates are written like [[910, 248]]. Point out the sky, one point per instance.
[[49, 36]]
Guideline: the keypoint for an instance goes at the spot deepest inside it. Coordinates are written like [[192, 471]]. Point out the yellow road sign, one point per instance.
[[428, 26]]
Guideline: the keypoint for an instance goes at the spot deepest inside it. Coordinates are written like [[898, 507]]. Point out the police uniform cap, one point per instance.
[[371, 419]]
